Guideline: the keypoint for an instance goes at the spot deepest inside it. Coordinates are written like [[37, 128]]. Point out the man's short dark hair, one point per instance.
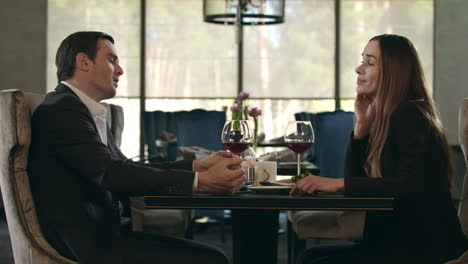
[[84, 42]]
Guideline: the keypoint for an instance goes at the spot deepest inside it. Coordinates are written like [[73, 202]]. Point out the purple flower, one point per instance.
[[242, 96], [235, 109], [254, 112]]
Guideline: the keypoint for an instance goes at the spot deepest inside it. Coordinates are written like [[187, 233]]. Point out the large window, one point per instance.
[[288, 67], [190, 58], [361, 20], [120, 19]]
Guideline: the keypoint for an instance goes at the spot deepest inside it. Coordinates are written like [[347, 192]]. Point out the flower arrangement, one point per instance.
[[241, 111]]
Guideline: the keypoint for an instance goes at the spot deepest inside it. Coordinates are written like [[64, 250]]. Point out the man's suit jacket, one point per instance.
[[75, 178]]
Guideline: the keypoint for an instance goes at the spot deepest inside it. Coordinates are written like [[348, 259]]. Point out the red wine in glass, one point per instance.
[[298, 137], [299, 147], [237, 147]]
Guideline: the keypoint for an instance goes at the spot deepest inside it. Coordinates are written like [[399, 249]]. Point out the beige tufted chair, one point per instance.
[[463, 207], [28, 243], [463, 138], [174, 222], [303, 225], [168, 222]]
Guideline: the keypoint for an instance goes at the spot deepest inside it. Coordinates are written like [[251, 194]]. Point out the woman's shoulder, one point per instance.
[[409, 113], [411, 106]]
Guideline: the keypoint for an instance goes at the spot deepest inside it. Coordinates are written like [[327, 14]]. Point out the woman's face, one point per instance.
[[369, 70]]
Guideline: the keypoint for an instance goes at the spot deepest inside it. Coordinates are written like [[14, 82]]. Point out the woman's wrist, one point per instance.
[[340, 185], [360, 132]]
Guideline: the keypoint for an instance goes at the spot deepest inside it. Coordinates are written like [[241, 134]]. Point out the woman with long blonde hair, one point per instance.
[[398, 148]]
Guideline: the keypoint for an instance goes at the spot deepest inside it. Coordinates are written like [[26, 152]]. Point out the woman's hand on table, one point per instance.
[[312, 184], [223, 174]]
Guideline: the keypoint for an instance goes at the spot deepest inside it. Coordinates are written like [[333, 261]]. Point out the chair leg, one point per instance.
[[189, 232], [295, 245], [300, 247], [223, 220], [290, 237], [2, 213]]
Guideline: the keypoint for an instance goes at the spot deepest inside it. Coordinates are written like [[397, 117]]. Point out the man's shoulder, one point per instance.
[[61, 102], [62, 98]]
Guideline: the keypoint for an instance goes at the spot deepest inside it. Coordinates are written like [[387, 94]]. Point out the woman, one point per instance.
[[398, 148]]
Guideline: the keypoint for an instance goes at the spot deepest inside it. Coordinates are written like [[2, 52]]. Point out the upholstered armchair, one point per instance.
[[115, 121], [463, 206], [463, 138], [199, 128], [202, 128], [171, 221], [28, 243]]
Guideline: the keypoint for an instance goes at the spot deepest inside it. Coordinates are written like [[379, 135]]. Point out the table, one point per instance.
[[271, 143], [255, 216], [290, 168]]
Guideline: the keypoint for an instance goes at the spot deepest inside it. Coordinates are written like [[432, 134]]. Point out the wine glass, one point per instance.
[[298, 137], [237, 136]]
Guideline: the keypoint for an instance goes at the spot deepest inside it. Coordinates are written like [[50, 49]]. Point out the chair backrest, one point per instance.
[[304, 116], [463, 138], [28, 242], [332, 131], [115, 121], [200, 128]]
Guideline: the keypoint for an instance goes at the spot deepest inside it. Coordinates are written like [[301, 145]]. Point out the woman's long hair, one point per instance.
[[401, 79]]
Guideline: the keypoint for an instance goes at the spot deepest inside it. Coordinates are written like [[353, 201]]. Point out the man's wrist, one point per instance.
[[195, 182], [196, 166]]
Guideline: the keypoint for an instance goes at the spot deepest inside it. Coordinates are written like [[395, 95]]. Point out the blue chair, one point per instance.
[[332, 131], [304, 116], [200, 128], [191, 128], [155, 123]]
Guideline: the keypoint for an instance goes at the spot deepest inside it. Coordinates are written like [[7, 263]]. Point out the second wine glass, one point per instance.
[[299, 137], [237, 136]]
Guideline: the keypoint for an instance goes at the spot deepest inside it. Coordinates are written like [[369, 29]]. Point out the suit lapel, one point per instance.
[[62, 88]]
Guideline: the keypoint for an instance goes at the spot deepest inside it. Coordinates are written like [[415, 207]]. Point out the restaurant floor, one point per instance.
[[210, 235]]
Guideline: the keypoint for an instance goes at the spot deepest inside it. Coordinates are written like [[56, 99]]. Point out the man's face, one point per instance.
[[105, 70], [369, 70]]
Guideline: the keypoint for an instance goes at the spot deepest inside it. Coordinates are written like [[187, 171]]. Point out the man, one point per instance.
[[76, 171]]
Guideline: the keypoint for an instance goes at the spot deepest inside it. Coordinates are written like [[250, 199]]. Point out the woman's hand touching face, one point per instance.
[[364, 110]]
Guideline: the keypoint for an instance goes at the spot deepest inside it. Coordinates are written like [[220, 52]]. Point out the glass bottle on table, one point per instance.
[[299, 137], [250, 158]]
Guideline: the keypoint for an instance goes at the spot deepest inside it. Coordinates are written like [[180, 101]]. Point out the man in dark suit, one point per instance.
[[77, 173]]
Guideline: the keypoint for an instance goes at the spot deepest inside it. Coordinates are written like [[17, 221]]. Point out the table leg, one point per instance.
[[255, 236]]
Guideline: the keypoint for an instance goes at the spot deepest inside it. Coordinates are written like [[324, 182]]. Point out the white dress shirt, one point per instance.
[[98, 111]]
